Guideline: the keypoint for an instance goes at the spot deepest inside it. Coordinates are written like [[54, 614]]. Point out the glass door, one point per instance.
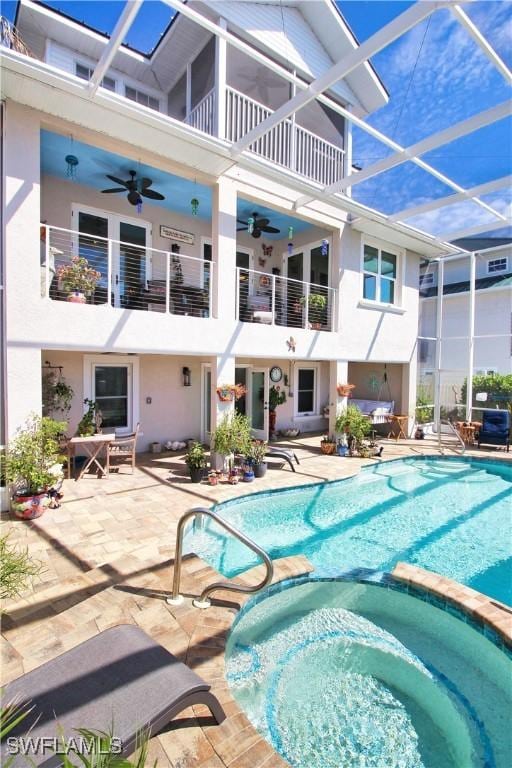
[[295, 290], [131, 265], [112, 393], [259, 402], [92, 245]]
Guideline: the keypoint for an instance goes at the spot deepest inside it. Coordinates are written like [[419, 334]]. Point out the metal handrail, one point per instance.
[[203, 601], [448, 423]]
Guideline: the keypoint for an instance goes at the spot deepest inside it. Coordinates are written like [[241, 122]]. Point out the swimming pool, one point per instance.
[[336, 673], [452, 516]]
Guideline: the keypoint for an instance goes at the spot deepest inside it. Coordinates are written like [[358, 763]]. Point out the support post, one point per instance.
[[338, 374], [439, 331], [220, 83], [471, 337]]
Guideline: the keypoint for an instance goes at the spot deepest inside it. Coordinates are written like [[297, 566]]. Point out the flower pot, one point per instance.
[[213, 478], [248, 476], [342, 450], [220, 462], [344, 390], [30, 506], [328, 448], [196, 474], [225, 394], [260, 469], [272, 415], [76, 298]]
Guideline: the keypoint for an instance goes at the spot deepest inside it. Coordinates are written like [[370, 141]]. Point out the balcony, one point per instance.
[[131, 276], [275, 300], [287, 144]]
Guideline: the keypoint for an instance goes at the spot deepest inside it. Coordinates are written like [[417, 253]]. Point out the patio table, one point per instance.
[[397, 425], [92, 445]]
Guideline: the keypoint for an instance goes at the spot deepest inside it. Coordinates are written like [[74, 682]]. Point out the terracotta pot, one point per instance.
[[77, 298], [272, 421], [31, 506], [328, 448]]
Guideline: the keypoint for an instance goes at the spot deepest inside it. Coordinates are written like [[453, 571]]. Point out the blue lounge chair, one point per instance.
[[495, 429]]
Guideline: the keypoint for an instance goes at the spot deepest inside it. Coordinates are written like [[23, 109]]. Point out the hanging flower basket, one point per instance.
[[345, 390], [230, 392]]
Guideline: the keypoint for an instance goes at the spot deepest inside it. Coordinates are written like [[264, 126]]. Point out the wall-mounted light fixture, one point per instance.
[[186, 377]]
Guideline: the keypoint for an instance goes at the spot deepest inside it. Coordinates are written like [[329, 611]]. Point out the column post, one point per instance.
[[338, 373], [224, 250]]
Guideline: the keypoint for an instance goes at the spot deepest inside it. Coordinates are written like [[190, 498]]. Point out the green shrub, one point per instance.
[[17, 569], [424, 411], [233, 435], [33, 456], [353, 423], [498, 387]]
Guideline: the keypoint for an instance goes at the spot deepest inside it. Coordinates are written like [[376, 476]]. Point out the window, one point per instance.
[[86, 73], [141, 98], [379, 275], [306, 391], [497, 265], [427, 279]]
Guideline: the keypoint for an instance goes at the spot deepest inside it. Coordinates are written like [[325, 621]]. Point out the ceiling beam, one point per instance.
[[341, 69], [432, 205], [119, 32], [476, 230], [484, 44]]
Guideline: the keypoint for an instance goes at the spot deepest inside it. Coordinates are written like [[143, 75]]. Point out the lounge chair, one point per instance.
[[283, 453], [119, 681], [495, 429]]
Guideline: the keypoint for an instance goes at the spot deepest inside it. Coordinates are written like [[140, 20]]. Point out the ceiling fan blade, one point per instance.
[[117, 181], [146, 182], [133, 197], [241, 221], [241, 229], [261, 223], [256, 233], [115, 189], [270, 230], [152, 194]]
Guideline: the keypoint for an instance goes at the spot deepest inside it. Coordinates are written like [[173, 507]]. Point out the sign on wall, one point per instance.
[[176, 234]]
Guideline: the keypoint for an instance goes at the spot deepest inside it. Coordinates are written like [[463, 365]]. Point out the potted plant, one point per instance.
[[78, 278], [355, 425], [57, 394], [275, 398], [34, 465], [328, 445], [91, 421], [257, 451], [195, 459], [233, 435], [317, 303]]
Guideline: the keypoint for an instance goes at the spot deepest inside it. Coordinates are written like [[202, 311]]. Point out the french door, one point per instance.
[[130, 254], [258, 395]]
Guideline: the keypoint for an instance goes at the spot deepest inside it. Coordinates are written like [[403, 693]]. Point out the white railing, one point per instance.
[[276, 300], [287, 144], [202, 116], [130, 276]]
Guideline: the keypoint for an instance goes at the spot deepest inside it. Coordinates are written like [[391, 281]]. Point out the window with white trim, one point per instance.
[[380, 269], [306, 391], [141, 98], [81, 70], [497, 265], [112, 381], [427, 279]]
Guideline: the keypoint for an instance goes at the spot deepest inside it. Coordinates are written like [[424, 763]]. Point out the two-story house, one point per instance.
[[211, 271], [471, 338]]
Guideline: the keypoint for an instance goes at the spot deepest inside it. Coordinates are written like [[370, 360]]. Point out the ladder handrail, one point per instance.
[[218, 584], [448, 423]]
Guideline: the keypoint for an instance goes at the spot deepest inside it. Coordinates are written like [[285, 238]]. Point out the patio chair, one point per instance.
[[119, 681], [495, 429], [123, 449], [283, 453]]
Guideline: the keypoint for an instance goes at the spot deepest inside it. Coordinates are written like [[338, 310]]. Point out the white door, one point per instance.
[[259, 402]]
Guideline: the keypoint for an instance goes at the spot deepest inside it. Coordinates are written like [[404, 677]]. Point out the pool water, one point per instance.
[[452, 516], [343, 675]]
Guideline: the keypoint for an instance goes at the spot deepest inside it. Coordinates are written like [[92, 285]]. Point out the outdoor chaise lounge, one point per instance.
[[495, 429], [283, 453], [119, 681]]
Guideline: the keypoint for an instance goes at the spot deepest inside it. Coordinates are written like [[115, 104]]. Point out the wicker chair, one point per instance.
[[123, 448]]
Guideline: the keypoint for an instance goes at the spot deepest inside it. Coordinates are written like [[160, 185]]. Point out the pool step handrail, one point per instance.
[[203, 601], [461, 447]]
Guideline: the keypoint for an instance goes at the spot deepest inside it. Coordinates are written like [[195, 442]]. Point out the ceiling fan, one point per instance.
[[135, 188], [257, 226]]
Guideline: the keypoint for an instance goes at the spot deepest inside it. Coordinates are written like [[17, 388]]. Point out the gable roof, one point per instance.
[[494, 281]]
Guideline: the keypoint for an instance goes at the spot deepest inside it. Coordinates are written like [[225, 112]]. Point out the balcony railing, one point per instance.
[[202, 116], [276, 300], [287, 144], [131, 276]]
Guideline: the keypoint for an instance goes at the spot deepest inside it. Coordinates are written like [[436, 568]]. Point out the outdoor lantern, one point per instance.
[[290, 244], [186, 377], [194, 204]]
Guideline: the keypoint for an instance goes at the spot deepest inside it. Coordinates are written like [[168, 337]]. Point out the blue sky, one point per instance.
[[436, 76]]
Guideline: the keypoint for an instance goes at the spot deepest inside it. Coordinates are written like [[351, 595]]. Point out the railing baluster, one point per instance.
[[168, 283]]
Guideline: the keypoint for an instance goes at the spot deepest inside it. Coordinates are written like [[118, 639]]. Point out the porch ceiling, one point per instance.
[[95, 163]]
